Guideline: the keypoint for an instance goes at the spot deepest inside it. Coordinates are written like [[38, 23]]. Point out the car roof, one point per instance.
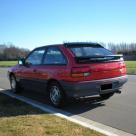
[[45, 46]]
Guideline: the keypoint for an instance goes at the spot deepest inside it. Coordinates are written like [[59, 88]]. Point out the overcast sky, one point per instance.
[[32, 23]]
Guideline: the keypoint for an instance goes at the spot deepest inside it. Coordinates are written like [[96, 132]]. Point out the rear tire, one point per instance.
[[15, 87], [56, 95]]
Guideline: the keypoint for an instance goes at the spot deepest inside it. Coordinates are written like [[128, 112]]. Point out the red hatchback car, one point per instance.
[[70, 70]]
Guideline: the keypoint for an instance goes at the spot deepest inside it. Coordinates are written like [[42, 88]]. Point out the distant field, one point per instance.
[[131, 70], [7, 63], [131, 65]]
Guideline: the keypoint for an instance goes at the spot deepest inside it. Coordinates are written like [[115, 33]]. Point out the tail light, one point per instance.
[[80, 72], [122, 64], [122, 67]]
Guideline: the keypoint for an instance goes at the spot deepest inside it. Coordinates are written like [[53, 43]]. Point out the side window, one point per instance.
[[54, 56], [35, 58]]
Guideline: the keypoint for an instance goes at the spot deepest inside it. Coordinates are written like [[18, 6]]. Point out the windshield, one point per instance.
[[90, 51]]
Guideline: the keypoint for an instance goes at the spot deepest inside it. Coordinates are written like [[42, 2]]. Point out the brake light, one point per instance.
[[80, 72]]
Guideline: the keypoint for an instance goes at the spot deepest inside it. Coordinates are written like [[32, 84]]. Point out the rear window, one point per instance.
[[84, 51]]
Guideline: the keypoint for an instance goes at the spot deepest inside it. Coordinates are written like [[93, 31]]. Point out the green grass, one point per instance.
[[20, 119], [7, 63], [130, 64], [131, 70]]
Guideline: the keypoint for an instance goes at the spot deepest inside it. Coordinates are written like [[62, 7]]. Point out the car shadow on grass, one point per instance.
[[13, 107], [10, 107]]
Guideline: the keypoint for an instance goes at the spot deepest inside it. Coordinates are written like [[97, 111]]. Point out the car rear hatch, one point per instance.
[[97, 61]]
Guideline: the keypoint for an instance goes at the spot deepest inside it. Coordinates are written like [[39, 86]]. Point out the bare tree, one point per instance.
[[123, 48], [11, 52]]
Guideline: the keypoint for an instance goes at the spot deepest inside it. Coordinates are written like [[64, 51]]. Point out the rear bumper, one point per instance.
[[92, 88]]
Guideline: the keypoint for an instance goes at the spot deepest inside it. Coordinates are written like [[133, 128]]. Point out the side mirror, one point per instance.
[[21, 61]]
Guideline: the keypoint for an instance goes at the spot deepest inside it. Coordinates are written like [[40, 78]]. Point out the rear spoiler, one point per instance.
[[81, 44], [98, 58]]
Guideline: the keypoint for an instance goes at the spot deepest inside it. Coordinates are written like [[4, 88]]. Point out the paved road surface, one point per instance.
[[118, 112]]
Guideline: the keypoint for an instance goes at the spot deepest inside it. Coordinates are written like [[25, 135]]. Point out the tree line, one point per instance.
[[123, 48], [12, 52]]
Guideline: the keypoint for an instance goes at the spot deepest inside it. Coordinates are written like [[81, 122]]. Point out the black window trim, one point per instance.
[[45, 52]]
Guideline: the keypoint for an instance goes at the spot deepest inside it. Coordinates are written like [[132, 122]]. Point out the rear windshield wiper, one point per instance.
[[97, 58]]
